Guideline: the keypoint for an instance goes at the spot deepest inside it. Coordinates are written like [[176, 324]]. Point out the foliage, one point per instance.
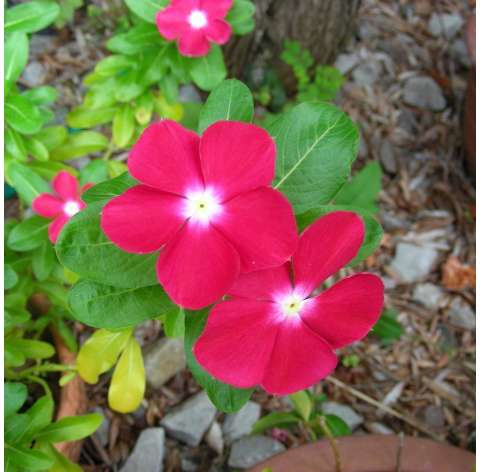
[[388, 328]]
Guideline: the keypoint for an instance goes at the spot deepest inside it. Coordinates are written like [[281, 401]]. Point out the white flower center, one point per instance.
[[202, 206], [291, 305], [71, 207], [197, 19]]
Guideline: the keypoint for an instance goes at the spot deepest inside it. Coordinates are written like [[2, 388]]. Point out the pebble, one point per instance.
[[35, 74], [164, 359], [102, 433], [240, 423], [249, 451], [378, 428], [445, 24], [461, 314], [388, 157], [428, 295], [434, 417], [214, 438], [189, 421], [346, 413], [424, 93], [459, 50], [367, 73], [413, 263], [148, 453], [41, 44], [346, 62]]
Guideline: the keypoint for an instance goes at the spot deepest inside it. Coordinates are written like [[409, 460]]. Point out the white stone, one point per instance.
[[148, 453], [346, 413], [445, 24], [428, 295], [163, 360], [214, 438], [34, 74], [461, 314], [240, 423], [249, 451], [345, 62], [424, 93], [379, 428], [413, 263], [367, 73]]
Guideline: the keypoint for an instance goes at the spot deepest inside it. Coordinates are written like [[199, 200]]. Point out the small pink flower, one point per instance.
[[275, 333], [62, 204], [206, 202], [195, 24]]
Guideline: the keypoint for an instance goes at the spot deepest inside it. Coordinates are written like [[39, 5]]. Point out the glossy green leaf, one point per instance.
[[43, 261], [22, 115], [15, 144], [230, 100], [112, 65], [316, 145], [84, 249], [123, 126], [388, 328], [29, 234], [105, 191], [94, 172], [100, 352], [225, 397], [136, 40], [208, 71], [48, 170], [70, 428], [146, 9], [39, 415], [30, 17], [37, 149], [26, 182], [241, 16], [127, 387], [14, 396], [27, 459], [277, 419], [80, 144], [10, 277], [174, 323], [15, 428], [337, 426], [61, 463], [52, 136], [41, 95], [302, 403], [82, 117], [31, 348], [15, 57]]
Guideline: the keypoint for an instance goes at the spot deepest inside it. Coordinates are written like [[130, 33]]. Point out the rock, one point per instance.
[[388, 157], [459, 51], [346, 413], [189, 421], [378, 428], [461, 314], [240, 424], [214, 438], [429, 295], [148, 453], [189, 94], [189, 465], [35, 74], [424, 93], [345, 62], [367, 30], [249, 451], [434, 417], [102, 433], [163, 360], [367, 73], [407, 121], [445, 24], [412, 263], [41, 44]]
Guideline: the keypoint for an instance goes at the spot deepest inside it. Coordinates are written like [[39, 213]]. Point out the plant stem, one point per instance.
[[332, 442], [44, 369], [42, 382]]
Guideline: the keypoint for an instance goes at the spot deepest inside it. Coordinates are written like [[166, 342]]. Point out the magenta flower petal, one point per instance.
[[325, 247], [237, 157], [166, 157], [218, 31], [299, 359], [66, 185], [263, 284], [237, 342], [47, 205], [142, 219], [261, 226], [347, 311], [197, 266], [56, 226], [215, 8], [171, 23]]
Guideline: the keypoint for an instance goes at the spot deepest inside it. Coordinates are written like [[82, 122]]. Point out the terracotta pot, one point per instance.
[[373, 453]]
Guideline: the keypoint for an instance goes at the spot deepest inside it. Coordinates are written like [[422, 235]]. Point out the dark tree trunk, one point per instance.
[[321, 26]]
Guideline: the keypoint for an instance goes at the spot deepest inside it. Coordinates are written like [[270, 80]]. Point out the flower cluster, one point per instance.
[[206, 204]]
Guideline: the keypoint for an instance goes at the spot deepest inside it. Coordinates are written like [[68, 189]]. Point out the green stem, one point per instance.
[[45, 368], [42, 382], [333, 443], [109, 151]]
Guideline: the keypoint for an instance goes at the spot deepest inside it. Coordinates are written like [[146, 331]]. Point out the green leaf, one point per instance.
[[16, 426], [40, 416], [146, 9], [70, 428], [230, 100], [112, 65], [37, 149], [28, 459], [302, 403], [94, 172], [41, 95], [48, 170], [30, 17], [337, 426], [127, 387], [123, 126], [84, 249], [29, 234], [100, 352], [82, 117], [277, 419], [22, 115], [208, 71], [225, 397], [31, 348], [363, 190], [14, 396], [10, 277], [61, 464], [80, 144], [26, 182], [16, 57], [137, 40], [43, 261], [316, 145], [388, 328], [52, 137], [241, 17], [15, 144], [174, 323], [105, 191], [103, 306]]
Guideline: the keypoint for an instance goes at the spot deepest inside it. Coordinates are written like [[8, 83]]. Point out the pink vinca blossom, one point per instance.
[[274, 332], [62, 204], [207, 203], [195, 24]]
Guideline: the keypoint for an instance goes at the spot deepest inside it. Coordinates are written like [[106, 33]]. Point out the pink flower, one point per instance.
[[206, 203], [62, 204], [275, 333], [195, 24]]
